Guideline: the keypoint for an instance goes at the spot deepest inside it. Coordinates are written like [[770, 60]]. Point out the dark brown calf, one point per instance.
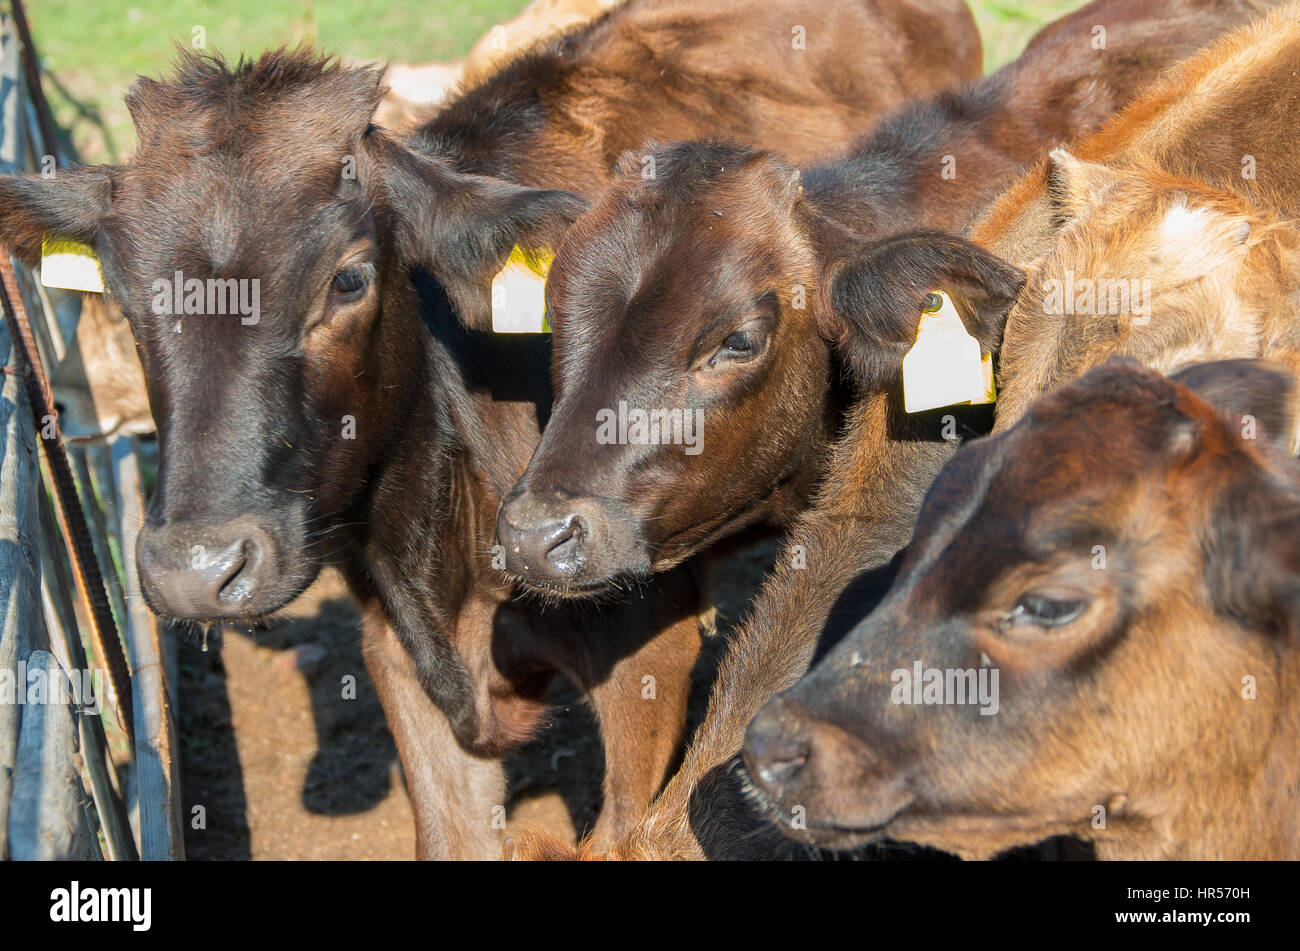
[[353, 406], [701, 289], [1095, 632]]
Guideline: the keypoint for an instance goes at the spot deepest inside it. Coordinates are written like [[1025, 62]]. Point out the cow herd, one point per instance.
[[1063, 603]]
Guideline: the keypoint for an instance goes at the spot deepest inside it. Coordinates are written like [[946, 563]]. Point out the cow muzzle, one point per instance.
[[206, 572], [827, 785], [570, 545]]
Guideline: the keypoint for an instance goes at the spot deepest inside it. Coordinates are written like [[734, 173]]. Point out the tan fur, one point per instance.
[[1169, 701], [1198, 120], [1224, 284]]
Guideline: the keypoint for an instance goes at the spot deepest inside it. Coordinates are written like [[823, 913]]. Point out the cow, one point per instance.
[[1235, 99], [1131, 543], [696, 288], [310, 297]]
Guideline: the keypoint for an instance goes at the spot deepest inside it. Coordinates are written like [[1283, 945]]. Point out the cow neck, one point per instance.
[[1251, 814], [938, 162], [412, 515]]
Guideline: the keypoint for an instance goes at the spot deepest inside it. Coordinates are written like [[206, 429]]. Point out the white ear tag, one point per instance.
[[519, 294], [945, 366], [70, 264]]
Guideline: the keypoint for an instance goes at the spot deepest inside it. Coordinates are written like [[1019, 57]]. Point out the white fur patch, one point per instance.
[[1182, 222]]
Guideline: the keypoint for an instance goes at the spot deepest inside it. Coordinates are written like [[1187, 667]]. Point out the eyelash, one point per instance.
[[364, 276], [731, 347], [1045, 616]]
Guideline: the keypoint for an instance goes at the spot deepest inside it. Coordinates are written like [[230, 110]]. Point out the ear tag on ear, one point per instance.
[[945, 366], [519, 293], [70, 264]]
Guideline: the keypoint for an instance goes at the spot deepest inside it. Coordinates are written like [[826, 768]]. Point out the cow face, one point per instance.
[[691, 380], [274, 255], [1069, 631]]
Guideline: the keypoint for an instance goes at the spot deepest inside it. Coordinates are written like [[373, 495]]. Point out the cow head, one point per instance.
[[692, 371], [1068, 634], [275, 256]]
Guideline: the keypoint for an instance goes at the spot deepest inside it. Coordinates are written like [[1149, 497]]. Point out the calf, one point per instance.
[[841, 553], [310, 298], [697, 289], [1073, 581]]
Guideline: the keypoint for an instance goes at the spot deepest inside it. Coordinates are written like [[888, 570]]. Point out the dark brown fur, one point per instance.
[[378, 426], [711, 282]]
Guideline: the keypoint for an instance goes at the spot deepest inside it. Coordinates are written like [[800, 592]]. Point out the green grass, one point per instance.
[[1007, 25], [93, 50]]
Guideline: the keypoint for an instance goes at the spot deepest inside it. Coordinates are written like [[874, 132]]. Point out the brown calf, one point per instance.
[[1241, 90], [1103, 607], [354, 406], [696, 291]]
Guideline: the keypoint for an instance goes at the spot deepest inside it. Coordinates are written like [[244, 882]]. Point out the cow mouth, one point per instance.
[[837, 836], [614, 588], [833, 836]]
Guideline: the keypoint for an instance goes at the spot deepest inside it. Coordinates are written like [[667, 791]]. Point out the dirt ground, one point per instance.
[[287, 769]]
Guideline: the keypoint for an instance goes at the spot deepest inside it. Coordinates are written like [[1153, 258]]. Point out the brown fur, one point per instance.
[[654, 284], [566, 110], [879, 471], [1242, 105], [415, 91], [243, 173], [1223, 279], [1197, 598]]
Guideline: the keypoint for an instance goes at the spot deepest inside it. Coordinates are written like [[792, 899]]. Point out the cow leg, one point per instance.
[[641, 706], [458, 797]]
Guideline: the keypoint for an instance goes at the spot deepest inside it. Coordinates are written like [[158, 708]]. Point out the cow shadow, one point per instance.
[[211, 777]]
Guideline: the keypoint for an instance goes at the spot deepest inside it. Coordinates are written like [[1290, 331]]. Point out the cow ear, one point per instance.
[[462, 227], [1253, 554], [876, 298], [1257, 397], [1074, 184], [69, 204]]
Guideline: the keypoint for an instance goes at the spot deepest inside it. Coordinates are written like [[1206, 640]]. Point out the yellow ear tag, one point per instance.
[[70, 264], [519, 293], [945, 366]]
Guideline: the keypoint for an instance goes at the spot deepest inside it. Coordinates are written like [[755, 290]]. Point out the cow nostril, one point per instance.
[[568, 540], [241, 583], [779, 768], [775, 752]]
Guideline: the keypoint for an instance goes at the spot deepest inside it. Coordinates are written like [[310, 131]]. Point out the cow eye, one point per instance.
[[1046, 612], [351, 282], [738, 347]]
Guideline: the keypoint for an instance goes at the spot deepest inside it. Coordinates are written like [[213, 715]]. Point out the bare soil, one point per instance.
[[285, 768]]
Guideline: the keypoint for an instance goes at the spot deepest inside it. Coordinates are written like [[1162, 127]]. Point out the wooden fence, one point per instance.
[[74, 781]]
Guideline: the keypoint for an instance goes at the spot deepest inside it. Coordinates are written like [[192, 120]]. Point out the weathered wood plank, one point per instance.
[[20, 619], [157, 772], [47, 820]]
